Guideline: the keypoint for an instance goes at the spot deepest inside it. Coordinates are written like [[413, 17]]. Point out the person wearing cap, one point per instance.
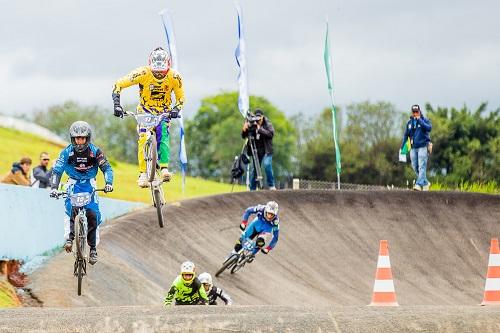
[[41, 173], [418, 130], [264, 144], [19, 174]]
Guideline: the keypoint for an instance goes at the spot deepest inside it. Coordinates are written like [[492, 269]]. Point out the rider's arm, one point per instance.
[[203, 295], [132, 78], [178, 91], [58, 169], [250, 211], [105, 167], [170, 295], [224, 296], [276, 233]]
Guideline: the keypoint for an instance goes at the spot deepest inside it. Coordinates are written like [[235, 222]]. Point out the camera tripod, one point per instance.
[[255, 159]]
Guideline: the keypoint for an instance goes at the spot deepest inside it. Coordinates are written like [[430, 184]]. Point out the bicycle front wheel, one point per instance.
[[158, 204], [227, 264], [80, 275], [151, 157], [79, 237]]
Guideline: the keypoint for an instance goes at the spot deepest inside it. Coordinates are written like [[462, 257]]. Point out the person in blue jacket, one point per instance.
[[80, 160], [265, 226], [418, 130]]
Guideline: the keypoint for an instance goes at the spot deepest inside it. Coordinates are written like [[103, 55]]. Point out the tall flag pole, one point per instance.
[[329, 75], [169, 32], [243, 103]]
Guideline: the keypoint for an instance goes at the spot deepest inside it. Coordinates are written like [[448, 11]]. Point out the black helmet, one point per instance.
[[80, 129]]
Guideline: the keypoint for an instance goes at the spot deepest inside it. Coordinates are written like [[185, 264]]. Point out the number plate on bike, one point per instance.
[[147, 120], [80, 199]]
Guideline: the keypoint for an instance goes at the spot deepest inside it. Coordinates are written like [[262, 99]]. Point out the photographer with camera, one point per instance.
[[259, 131]]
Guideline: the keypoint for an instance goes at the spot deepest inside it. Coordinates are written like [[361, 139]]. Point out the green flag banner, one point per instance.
[[329, 76]]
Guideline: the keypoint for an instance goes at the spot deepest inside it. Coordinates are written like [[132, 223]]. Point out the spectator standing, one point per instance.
[[19, 174], [418, 130], [264, 144], [41, 173]]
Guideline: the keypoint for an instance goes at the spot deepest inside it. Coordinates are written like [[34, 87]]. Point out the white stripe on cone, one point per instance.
[[492, 284], [494, 260], [383, 262], [383, 286]]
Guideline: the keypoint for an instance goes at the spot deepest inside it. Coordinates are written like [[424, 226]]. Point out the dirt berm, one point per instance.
[[326, 255]]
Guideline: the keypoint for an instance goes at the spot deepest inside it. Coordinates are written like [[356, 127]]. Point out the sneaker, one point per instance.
[[68, 245], [426, 187], [165, 174], [417, 187], [272, 188], [143, 180], [92, 256]]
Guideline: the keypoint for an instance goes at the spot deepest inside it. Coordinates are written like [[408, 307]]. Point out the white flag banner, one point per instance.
[[243, 104]]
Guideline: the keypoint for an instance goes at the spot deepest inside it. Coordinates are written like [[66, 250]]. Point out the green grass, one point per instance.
[[16, 144], [8, 296], [464, 186]]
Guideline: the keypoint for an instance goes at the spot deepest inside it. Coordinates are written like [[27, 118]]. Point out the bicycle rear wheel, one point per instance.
[[151, 157], [227, 264], [158, 204]]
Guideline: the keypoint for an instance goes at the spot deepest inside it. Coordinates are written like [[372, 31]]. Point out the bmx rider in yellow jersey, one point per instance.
[[156, 83]]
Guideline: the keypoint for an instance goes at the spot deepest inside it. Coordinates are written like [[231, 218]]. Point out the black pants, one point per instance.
[[91, 223]]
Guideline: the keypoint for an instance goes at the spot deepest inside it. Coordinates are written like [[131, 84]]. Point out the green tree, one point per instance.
[[214, 136]]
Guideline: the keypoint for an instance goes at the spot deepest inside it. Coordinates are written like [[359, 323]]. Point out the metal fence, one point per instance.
[[322, 185]]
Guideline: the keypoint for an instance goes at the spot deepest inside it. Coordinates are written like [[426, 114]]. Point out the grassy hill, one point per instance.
[[15, 144]]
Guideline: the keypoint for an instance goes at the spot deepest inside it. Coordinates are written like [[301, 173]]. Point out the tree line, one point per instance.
[[466, 142]]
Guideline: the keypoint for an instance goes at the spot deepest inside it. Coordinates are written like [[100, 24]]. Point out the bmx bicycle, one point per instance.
[[236, 261], [79, 201], [149, 122]]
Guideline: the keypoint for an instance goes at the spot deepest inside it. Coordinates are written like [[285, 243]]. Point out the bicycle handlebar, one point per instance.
[[64, 194], [163, 115]]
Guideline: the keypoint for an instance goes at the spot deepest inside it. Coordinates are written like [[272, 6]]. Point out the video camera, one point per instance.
[[252, 121]]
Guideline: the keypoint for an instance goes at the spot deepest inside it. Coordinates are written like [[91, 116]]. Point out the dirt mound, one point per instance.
[[326, 254]]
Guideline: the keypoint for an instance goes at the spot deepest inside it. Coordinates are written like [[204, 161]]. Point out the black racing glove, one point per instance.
[[174, 113], [117, 107], [108, 188], [118, 111]]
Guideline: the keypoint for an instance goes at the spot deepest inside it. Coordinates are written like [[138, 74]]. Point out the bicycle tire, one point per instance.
[[226, 265], [80, 246], [151, 156], [80, 276], [238, 266], [158, 204]]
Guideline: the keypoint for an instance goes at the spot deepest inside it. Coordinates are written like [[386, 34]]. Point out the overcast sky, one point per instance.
[[446, 52]]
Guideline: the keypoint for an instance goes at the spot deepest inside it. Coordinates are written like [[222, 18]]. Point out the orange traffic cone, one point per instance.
[[492, 287], [383, 290]]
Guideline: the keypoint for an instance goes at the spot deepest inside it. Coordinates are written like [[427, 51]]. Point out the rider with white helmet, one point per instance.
[[212, 291], [265, 225], [186, 288], [157, 82]]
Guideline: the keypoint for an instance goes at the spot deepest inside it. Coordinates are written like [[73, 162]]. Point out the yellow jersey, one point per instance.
[[155, 95]]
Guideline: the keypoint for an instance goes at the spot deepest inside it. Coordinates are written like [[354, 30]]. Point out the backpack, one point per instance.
[[238, 168]]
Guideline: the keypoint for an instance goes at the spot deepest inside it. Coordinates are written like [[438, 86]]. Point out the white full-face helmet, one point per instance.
[[188, 269], [271, 211], [206, 279], [159, 62]]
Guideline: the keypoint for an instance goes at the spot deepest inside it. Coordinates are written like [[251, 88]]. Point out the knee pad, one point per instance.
[[260, 242]]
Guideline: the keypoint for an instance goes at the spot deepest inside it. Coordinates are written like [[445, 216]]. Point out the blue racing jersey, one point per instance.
[[260, 224], [81, 166]]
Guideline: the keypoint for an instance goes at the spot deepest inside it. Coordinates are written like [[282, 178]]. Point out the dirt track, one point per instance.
[[326, 255]]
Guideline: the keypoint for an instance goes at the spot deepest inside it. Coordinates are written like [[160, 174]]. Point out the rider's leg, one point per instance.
[[93, 220], [142, 181], [163, 147], [249, 233]]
